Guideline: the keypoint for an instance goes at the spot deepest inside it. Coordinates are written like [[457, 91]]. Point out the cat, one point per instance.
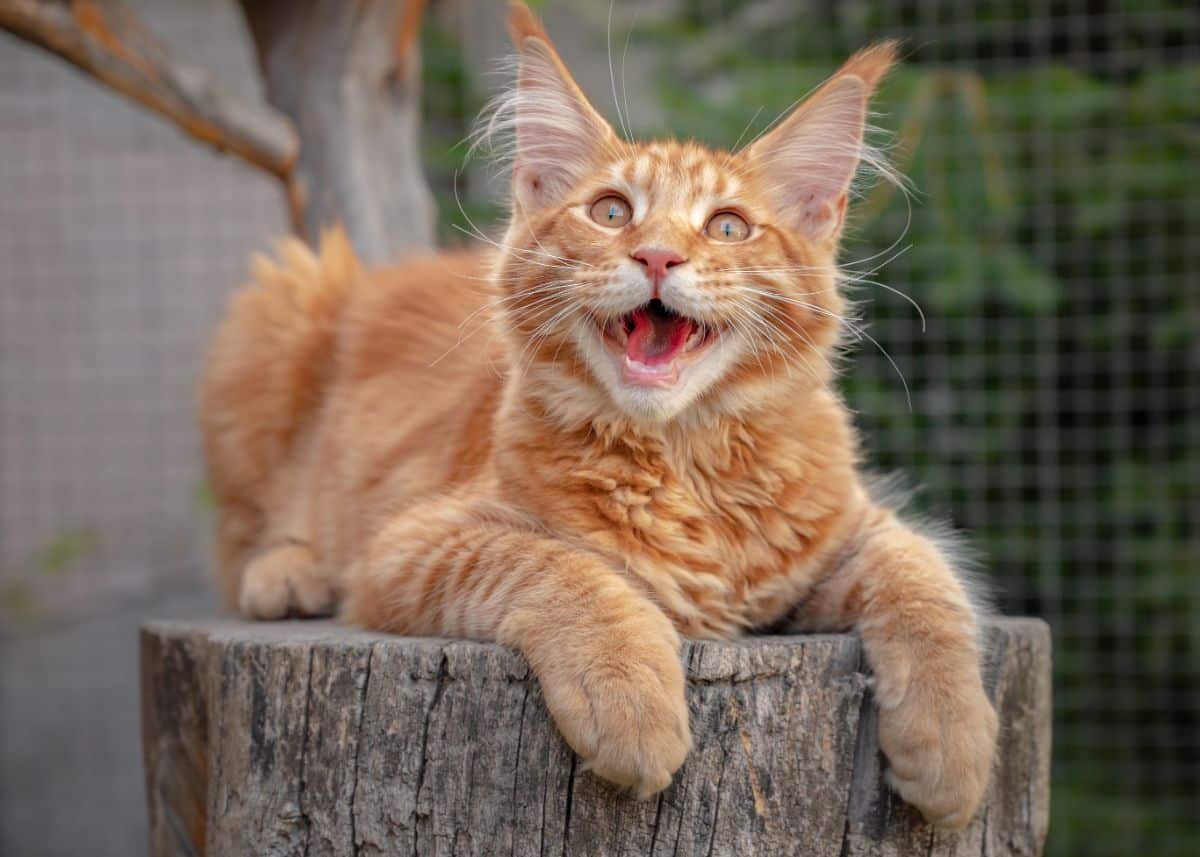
[[645, 445]]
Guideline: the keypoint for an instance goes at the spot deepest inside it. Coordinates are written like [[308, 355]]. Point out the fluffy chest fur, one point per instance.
[[726, 523]]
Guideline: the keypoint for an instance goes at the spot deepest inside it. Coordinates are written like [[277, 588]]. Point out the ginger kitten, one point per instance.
[[649, 446]]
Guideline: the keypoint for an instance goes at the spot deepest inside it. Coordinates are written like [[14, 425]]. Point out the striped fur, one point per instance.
[[450, 446]]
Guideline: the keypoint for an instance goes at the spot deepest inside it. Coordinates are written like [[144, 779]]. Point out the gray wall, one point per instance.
[[119, 242]]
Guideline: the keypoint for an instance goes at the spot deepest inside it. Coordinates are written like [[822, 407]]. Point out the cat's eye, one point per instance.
[[728, 227], [611, 210]]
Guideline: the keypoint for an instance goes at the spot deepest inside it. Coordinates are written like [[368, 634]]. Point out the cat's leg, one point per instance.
[[285, 580], [607, 658], [920, 636], [285, 575]]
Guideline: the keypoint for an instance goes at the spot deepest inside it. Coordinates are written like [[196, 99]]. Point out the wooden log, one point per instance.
[[307, 738]]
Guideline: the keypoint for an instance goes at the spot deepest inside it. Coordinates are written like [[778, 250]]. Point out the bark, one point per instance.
[[312, 739], [102, 39], [343, 136], [348, 76]]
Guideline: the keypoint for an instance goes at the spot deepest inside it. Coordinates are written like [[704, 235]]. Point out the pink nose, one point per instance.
[[658, 261]]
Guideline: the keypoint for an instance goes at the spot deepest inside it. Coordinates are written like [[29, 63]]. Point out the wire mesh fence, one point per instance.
[[1058, 413], [119, 241], [1053, 244]]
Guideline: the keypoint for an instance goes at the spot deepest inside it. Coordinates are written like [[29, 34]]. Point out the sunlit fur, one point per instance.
[[449, 446]]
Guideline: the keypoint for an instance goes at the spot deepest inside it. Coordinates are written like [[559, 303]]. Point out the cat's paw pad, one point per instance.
[[628, 721], [284, 580], [940, 749]]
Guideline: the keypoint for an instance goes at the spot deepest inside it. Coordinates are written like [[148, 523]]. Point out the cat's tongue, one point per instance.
[[657, 337]]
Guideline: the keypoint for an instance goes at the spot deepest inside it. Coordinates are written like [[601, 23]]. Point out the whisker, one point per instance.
[[733, 149], [624, 94], [783, 321], [862, 334], [544, 294], [476, 232], [612, 77]]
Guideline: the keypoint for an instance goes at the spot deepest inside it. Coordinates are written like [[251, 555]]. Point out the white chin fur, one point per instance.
[[654, 404]]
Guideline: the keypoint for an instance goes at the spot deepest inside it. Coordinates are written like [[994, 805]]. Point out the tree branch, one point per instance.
[[103, 39]]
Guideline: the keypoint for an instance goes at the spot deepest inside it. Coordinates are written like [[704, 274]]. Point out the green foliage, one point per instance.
[[203, 499], [18, 599], [64, 551], [450, 103], [1053, 246], [1060, 204], [1089, 821]]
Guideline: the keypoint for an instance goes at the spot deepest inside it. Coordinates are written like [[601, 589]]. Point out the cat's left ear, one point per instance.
[[558, 132], [809, 159]]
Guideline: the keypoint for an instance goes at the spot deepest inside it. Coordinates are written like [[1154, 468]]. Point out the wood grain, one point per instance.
[[307, 738]]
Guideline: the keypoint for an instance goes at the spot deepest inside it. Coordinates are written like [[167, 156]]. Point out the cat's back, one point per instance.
[[333, 391], [415, 315], [418, 376], [420, 359]]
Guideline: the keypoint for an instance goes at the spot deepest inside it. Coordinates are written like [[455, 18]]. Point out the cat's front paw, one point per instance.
[[625, 714], [940, 742], [285, 580]]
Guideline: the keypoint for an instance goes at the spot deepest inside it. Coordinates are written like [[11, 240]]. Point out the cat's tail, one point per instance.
[[266, 376]]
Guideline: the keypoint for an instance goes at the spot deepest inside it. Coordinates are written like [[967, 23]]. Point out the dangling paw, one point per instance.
[[940, 747]]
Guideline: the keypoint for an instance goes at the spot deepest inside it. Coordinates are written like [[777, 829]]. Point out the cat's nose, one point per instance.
[[657, 261]]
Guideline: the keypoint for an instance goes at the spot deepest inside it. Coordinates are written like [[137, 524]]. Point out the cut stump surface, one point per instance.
[[308, 738]]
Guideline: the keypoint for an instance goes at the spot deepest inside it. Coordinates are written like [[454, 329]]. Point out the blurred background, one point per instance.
[[1053, 244]]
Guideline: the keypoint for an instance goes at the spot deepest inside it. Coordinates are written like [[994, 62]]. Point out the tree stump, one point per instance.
[[309, 738]]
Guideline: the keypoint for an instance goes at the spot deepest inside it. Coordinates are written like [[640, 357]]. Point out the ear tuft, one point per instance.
[[523, 24], [872, 63], [542, 123], [811, 157]]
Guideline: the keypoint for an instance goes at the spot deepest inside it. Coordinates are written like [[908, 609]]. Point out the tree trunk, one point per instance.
[[348, 76], [307, 738]]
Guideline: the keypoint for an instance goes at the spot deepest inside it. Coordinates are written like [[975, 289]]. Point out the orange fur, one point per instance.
[[450, 446]]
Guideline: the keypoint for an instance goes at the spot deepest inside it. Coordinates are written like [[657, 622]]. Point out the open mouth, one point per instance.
[[655, 343]]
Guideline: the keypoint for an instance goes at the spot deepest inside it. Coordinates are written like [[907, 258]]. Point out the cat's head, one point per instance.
[[656, 276]]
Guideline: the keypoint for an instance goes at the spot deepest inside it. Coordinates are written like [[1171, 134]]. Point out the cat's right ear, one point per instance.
[[558, 133]]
